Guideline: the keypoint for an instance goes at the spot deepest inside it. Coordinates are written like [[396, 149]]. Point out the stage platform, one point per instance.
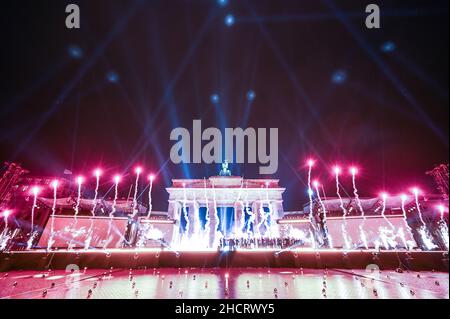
[[155, 258], [218, 283]]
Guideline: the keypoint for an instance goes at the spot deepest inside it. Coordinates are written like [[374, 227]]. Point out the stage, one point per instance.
[[156, 258]]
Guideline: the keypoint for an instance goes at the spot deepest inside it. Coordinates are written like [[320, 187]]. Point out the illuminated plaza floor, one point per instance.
[[235, 283]]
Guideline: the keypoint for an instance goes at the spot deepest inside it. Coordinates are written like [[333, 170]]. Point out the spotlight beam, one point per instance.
[[292, 77], [395, 81], [321, 17], [76, 79], [149, 132]]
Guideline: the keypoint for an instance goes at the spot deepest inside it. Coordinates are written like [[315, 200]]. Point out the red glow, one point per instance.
[[98, 172], [6, 213], [35, 190], [117, 179], [316, 183], [415, 190], [337, 170], [138, 170], [311, 162], [151, 177], [353, 170], [441, 208], [55, 184], [384, 195], [80, 180]]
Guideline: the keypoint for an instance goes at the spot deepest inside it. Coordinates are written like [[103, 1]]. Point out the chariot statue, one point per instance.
[[225, 171]]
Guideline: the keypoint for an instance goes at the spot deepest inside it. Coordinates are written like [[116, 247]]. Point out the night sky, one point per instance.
[[110, 93]]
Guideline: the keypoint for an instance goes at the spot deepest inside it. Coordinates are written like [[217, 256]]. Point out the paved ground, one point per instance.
[[220, 283]]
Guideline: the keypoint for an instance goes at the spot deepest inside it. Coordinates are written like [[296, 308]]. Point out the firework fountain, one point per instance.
[[443, 227], [6, 214], [384, 197], [151, 178], [272, 230], [147, 231], [311, 208], [207, 216], [97, 174], [347, 239], [35, 192], [362, 232], [328, 237], [387, 236], [239, 225], [268, 218], [75, 232], [196, 237], [405, 218], [80, 181], [51, 239], [138, 172], [242, 228], [4, 236], [423, 230], [251, 218], [263, 218], [217, 233], [117, 180], [185, 213]]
